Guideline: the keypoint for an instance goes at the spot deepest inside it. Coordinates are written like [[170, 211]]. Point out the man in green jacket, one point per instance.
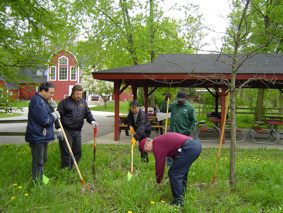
[[183, 115]]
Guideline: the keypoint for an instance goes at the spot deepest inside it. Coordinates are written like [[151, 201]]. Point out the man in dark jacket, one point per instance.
[[73, 110], [183, 149], [40, 130], [139, 125]]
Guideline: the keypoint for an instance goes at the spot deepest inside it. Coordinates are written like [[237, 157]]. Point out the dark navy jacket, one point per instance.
[[142, 125], [40, 121], [73, 114]]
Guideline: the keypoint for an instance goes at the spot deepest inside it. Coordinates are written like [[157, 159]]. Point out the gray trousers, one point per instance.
[[74, 138], [39, 158]]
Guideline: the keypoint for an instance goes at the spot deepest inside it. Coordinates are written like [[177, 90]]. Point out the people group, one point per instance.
[[177, 146], [42, 116]]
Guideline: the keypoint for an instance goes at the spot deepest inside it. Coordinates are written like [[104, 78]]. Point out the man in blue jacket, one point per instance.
[[73, 110], [40, 130]]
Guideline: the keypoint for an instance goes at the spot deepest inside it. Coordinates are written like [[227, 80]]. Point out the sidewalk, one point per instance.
[[247, 144], [106, 134]]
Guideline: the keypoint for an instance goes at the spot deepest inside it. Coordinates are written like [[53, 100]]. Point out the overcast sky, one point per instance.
[[214, 13]]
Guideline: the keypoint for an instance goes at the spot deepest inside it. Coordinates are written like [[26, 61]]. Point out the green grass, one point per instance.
[[124, 107], [259, 183], [7, 115]]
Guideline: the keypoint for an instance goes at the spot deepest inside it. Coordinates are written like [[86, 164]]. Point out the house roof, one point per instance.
[[200, 70], [33, 75]]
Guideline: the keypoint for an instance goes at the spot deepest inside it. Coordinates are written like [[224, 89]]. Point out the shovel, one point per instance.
[[94, 150], [130, 175], [166, 121], [70, 150], [221, 137]]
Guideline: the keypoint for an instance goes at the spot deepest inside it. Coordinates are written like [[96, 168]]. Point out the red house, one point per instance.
[[64, 73], [8, 91]]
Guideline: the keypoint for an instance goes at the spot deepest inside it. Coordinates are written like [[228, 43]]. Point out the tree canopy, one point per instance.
[[30, 30]]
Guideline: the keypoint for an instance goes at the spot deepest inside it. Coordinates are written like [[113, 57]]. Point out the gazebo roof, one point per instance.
[[200, 70]]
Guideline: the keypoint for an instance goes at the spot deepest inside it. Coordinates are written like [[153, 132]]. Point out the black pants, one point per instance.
[[74, 138], [39, 158]]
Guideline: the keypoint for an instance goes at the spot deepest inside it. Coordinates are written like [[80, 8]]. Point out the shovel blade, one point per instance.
[[45, 179], [130, 176]]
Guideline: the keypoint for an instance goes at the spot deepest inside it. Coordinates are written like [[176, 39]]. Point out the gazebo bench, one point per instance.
[[157, 128]]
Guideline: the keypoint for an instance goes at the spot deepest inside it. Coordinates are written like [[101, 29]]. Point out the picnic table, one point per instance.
[[258, 133], [272, 117], [216, 130]]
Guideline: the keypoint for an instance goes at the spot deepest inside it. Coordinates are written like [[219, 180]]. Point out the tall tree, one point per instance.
[[127, 33], [246, 35]]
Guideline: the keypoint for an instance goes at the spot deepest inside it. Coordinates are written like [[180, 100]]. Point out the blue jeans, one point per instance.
[[39, 158], [74, 138], [179, 169]]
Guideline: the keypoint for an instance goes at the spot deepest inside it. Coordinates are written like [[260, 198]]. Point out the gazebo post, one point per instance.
[[222, 94], [117, 85], [145, 89], [216, 102], [134, 91]]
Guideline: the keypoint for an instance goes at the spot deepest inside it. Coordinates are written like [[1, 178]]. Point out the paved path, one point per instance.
[[105, 134], [105, 127]]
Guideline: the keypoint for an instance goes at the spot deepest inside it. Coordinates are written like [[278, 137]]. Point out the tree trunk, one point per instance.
[[280, 103], [152, 52], [233, 138], [130, 32], [259, 105]]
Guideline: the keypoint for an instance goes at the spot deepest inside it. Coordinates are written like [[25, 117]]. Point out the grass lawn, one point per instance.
[[259, 183], [124, 107]]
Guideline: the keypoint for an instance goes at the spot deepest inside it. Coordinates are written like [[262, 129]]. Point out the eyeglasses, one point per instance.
[[51, 93]]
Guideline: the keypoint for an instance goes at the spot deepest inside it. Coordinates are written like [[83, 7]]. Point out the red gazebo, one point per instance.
[[210, 71]]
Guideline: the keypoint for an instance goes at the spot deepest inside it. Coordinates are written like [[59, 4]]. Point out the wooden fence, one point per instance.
[[200, 109]]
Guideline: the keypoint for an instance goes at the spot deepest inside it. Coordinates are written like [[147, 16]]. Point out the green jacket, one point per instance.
[[183, 118]]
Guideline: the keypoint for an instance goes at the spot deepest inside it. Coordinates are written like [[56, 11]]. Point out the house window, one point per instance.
[[39, 72], [63, 73], [73, 73], [63, 61], [52, 73]]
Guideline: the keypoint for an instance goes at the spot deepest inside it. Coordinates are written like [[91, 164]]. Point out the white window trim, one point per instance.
[[63, 64], [71, 74], [50, 74], [59, 74]]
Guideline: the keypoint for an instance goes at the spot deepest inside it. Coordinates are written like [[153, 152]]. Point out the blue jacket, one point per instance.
[[40, 121]]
